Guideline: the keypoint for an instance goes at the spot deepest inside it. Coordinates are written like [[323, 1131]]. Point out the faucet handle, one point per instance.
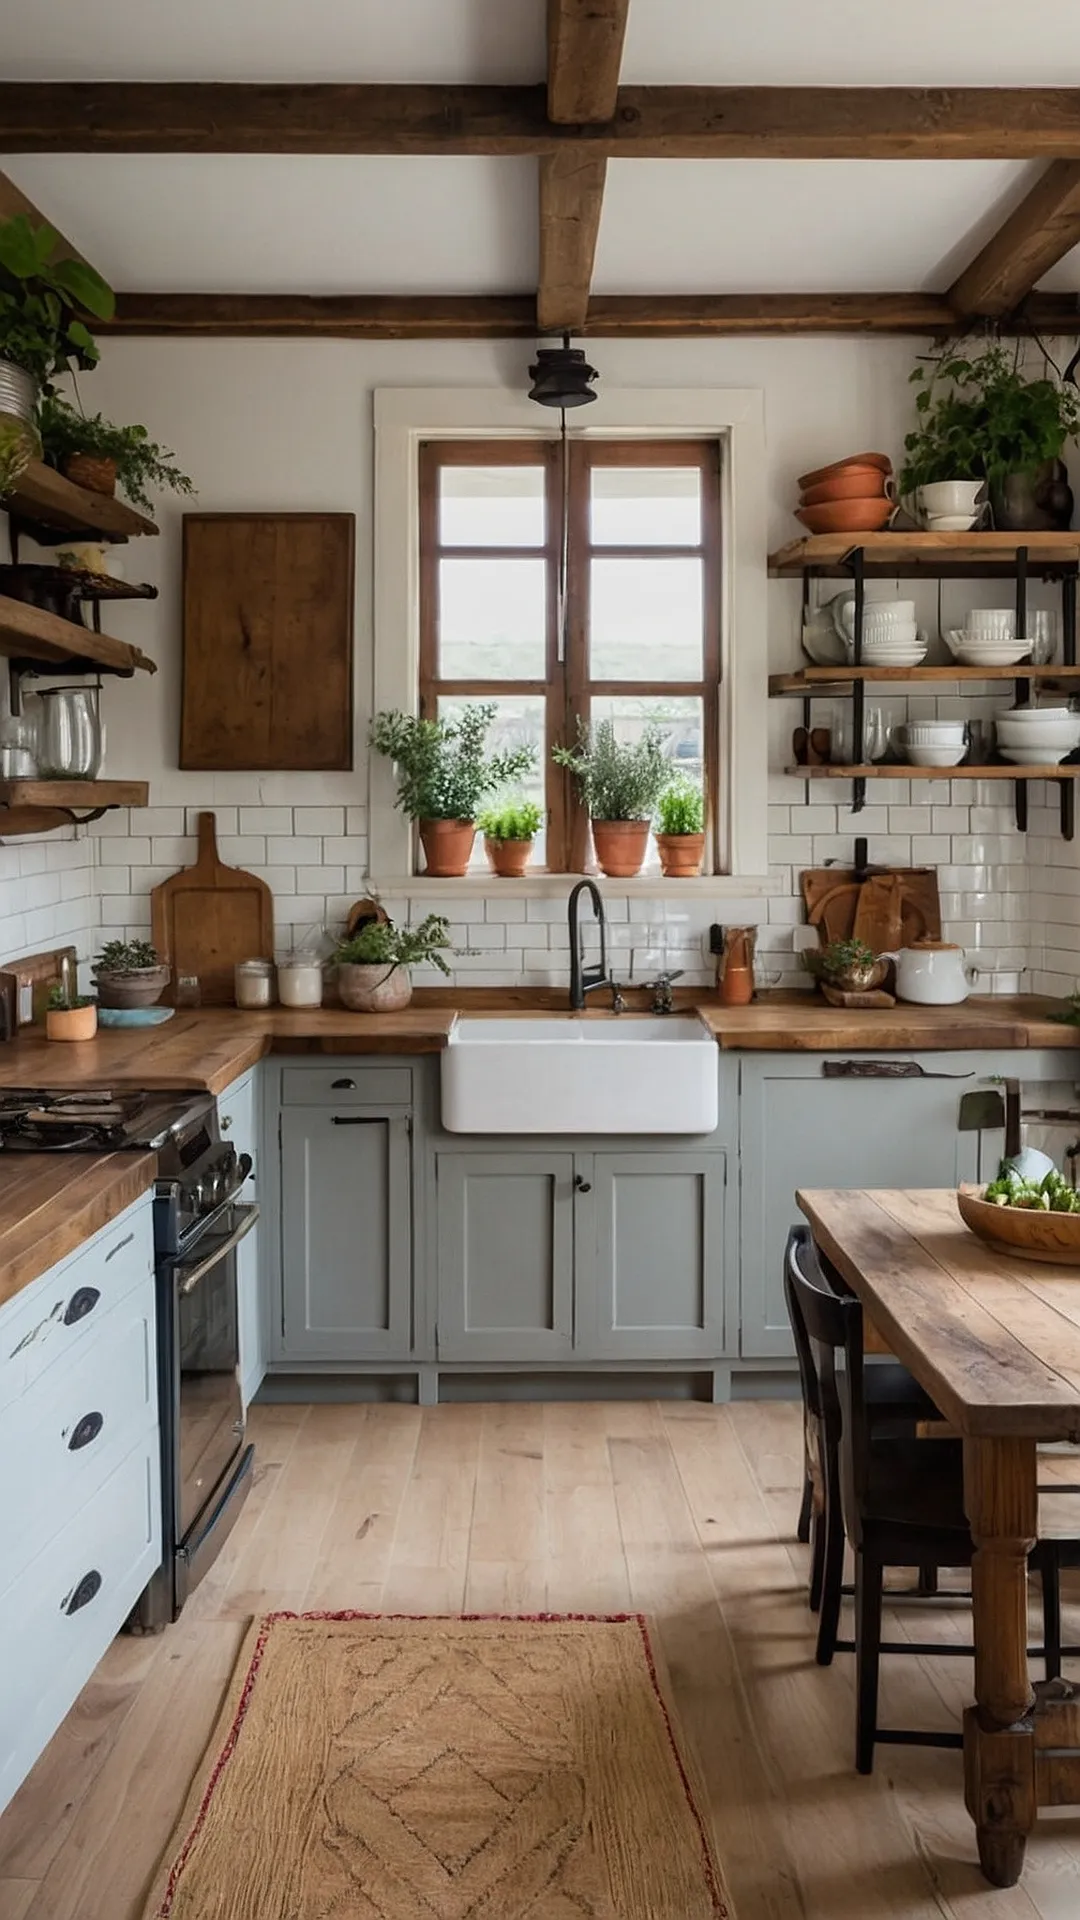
[[664, 979]]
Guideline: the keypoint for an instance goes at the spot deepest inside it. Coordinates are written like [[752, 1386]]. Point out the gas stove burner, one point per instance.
[[30, 1137]]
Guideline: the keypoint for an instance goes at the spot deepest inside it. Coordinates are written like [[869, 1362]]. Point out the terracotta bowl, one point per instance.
[[847, 516], [1023, 1233], [855, 483], [879, 461]]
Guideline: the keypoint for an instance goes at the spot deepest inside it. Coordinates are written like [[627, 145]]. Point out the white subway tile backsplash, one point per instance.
[[293, 850], [318, 820], [264, 820]]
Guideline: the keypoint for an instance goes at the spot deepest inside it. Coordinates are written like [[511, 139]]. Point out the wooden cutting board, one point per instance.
[[210, 916], [920, 913], [878, 914]]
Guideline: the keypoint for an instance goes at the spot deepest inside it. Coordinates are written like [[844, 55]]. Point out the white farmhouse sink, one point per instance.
[[565, 1074]]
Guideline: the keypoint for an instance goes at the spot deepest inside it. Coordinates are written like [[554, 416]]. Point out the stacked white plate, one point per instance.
[[1037, 736], [977, 650], [904, 647]]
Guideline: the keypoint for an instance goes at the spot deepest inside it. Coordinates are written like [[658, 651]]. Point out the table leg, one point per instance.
[[1001, 1498]]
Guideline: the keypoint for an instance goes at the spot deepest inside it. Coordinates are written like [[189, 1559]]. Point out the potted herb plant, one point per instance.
[[98, 455], [42, 332], [70, 1016], [373, 964], [129, 973], [680, 829], [509, 831], [620, 784], [443, 777], [849, 964], [980, 418]]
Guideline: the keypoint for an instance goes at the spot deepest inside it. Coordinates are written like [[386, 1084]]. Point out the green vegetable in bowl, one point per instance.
[[1051, 1194]]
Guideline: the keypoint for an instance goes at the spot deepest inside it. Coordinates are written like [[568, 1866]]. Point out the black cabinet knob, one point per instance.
[[583, 1186], [343, 1086], [82, 1302], [85, 1430], [81, 1596]]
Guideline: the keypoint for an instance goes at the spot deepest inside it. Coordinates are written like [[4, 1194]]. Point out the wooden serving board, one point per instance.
[[210, 916], [834, 917]]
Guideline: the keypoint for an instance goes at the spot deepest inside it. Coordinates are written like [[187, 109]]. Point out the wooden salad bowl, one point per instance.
[[1029, 1235]]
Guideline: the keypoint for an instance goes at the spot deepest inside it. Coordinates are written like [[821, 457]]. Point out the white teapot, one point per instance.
[[932, 973]]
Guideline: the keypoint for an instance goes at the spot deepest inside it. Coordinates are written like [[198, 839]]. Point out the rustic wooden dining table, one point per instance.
[[995, 1340]]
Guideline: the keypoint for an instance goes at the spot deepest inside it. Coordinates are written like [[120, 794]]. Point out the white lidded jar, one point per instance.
[[300, 980], [253, 983]]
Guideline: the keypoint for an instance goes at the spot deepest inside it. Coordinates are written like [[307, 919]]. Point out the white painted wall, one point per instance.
[[287, 425]]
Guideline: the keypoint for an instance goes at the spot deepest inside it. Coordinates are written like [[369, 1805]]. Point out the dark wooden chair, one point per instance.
[[895, 1404]]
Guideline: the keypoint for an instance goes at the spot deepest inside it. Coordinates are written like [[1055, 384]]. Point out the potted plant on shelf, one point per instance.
[[620, 784], [373, 964], [70, 1016], [42, 332], [680, 829], [443, 777], [850, 965], [509, 831], [129, 973], [981, 419], [95, 454]]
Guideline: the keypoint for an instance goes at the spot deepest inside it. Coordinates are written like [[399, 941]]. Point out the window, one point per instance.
[[637, 638]]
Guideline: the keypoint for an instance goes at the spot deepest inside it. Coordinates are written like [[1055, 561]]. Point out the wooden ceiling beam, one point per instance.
[[513, 315], [1036, 235], [585, 43], [800, 123]]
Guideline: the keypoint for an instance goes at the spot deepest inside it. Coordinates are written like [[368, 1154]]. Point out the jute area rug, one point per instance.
[[463, 1769]]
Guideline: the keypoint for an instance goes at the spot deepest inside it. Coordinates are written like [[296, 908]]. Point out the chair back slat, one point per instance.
[[832, 1324]]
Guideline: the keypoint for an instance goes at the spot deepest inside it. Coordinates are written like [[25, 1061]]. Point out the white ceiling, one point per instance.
[[278, 223]]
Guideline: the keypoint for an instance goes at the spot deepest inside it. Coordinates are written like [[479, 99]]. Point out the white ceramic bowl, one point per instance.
[[999, 622], [1037, 755], [934, 733], [1038, 743], [935, 756], [903, 635], [1036, 716], [879, 613]]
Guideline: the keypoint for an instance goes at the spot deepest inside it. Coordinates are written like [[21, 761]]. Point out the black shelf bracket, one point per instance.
[[1020, 791], [1067, 802]]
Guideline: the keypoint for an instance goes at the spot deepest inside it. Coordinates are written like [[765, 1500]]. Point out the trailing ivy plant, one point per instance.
[[140, 463], [980, 418], [443, 771], [42, 301], [618, 780]]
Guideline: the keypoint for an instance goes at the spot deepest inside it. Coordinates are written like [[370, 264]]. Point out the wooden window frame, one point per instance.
[[568, 688]]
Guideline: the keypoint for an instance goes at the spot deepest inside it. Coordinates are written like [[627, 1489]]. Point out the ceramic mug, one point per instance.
[[954, 501]]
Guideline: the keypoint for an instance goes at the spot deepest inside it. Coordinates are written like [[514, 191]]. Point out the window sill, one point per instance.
[[555, 886]]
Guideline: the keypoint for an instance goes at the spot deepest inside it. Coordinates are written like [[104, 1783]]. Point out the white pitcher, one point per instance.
[[932, 974]]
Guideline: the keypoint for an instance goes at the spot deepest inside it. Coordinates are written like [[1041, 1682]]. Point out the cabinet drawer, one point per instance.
[[362, 1086], [72, 1428], [62, 1311], [59, 1615]]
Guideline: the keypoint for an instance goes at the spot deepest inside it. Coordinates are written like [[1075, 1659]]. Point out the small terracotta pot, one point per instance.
[[680, 854], [448, 846], [71, 1023], [143, 988], [509, 858], [374, 989], [92, 471], [620, 846]]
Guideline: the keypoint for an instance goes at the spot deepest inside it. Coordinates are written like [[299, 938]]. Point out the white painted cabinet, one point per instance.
[[239, 1119], [80, 1495]]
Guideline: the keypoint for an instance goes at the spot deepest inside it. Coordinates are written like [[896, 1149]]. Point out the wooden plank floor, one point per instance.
[[685, 1511]]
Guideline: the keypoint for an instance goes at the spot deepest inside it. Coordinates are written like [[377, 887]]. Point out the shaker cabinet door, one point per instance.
[[505, 1250], [346, 1243], [651, 1256]]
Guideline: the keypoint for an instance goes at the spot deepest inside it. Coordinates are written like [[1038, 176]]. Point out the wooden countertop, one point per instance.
[[803, 1023], [50, 1203]]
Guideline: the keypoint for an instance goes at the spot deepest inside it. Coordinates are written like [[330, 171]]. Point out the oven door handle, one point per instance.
[[189, 1277]]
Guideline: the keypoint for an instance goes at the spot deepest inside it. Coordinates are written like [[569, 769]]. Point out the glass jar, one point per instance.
[[300, 980], [253, 983]]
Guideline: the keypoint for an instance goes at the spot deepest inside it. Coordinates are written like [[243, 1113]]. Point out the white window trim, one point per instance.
[[405, 416]]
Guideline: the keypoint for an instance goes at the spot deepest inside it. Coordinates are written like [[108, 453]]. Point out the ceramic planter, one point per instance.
[[19, 440], [1038, 502], [509, 858], [448, 846], [374, 989], [142, 988], [71, 1023], [681, 854], [620, 846], [92, 471]]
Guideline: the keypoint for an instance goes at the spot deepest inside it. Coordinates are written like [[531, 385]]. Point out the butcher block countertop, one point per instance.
[[50, 1203], [212, 1047]]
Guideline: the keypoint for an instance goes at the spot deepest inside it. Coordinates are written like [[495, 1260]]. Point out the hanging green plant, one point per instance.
[[981, 418], [139, 463]]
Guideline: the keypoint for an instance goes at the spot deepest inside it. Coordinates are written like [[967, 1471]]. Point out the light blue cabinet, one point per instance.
[[650, 1255], [238, 1118], [346, 1233], [504, 1245]]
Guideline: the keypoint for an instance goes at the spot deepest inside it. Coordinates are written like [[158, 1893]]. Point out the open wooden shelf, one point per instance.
[[73, 793], [43, 499], [29, 633], [989, 555], [903, 770], [829, 679]]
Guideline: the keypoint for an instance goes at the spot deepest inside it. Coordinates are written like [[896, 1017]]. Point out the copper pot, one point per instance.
[[680, 854], [509, 858], [620, 846], [91, 470], [448, 846]]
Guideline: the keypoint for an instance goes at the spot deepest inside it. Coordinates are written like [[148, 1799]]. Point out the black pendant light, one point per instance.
[[562, 377]]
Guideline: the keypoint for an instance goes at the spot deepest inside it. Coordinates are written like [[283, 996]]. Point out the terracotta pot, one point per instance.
[[620, 846], [374, 989], [71, 1023], [509, 858], [680, 854], [880, 461], [92, 471], [448, 846], [143, 988], [855, 483], [847, 516]]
